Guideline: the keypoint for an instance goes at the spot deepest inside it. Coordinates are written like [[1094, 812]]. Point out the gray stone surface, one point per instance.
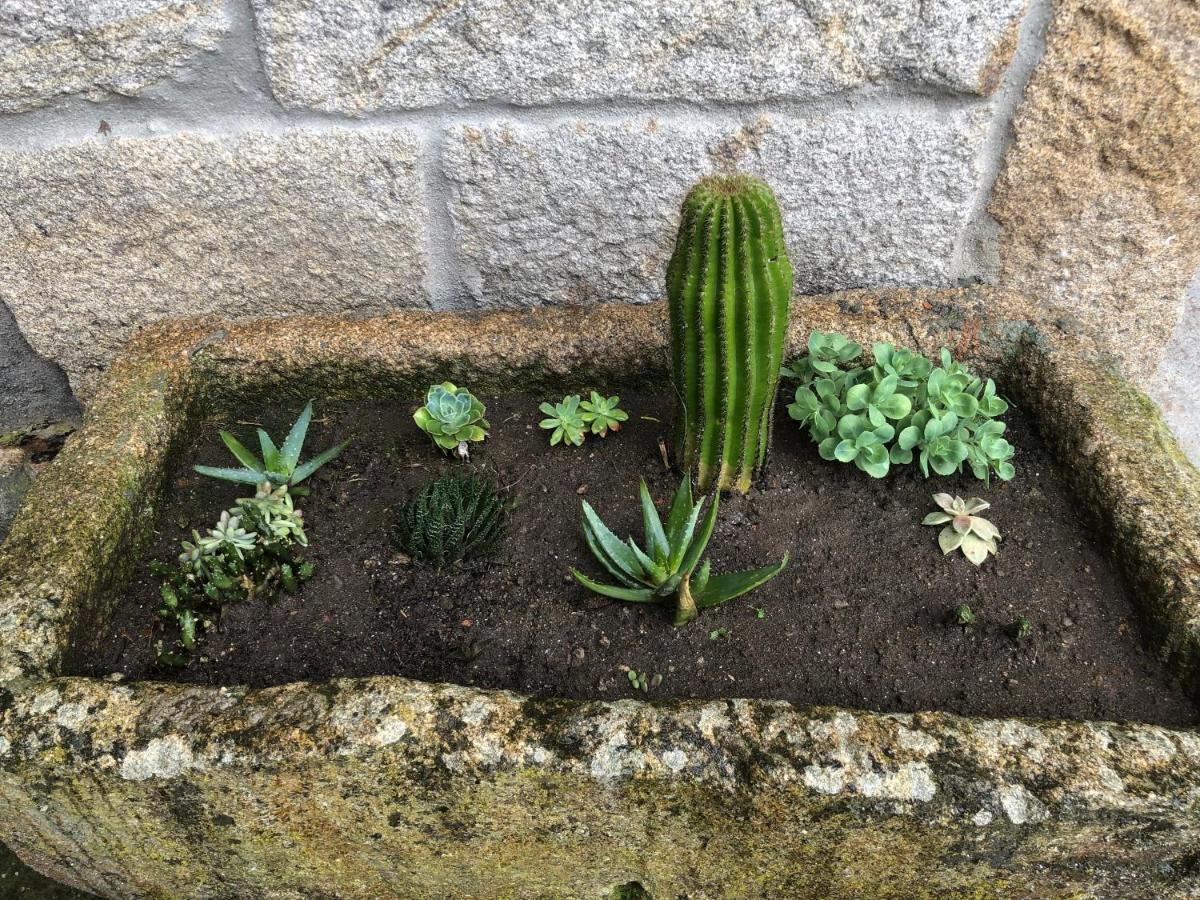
[[354, 56], [100, 238], [32, 389], [1176, 384], [50, 48], [583, 212]]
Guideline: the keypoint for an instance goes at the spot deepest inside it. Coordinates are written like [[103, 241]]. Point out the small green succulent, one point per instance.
[[279, 465], [1021, 629], [456, 517], [453, 417], [249, 554], [825, 353], [963, 615], [603, 414], [566, 420], [666, 571], [966, 531]]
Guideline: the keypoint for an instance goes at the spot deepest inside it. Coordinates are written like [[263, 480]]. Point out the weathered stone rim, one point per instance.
[[72, 543]]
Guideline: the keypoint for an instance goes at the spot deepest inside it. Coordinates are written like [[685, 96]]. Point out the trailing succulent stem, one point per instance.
[[729, 285], [669, 569]]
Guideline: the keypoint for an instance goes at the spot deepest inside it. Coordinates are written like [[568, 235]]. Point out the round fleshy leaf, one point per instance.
[[949, 540], [845, 452]]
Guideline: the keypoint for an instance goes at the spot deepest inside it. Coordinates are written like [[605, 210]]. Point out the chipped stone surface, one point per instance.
[[101, 238], [1173, 386], [585, 212], [354, 56], [52, 48], [1098, 208], [489, 791], [385, 787]]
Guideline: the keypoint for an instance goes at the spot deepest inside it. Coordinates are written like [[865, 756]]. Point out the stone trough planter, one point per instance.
[[386, 787]]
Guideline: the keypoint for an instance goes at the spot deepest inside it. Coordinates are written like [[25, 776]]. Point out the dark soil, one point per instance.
[[859, 618]]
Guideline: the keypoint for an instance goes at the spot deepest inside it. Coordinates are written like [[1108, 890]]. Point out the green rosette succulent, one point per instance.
[[453, 418]]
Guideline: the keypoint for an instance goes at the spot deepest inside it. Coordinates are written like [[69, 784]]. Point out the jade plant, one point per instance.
[[278, 465], [250, 554], [564, 421], [902, 408], [668, 570], [966, 531], [729, 285], [453, 417], [456, 517], [603, 414]]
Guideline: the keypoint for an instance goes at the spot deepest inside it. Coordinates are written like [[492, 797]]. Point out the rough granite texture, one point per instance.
[[1173, 386], [1098, 204], [385, 787], [354, 56], [585, 212], [53, 48], [101, 238]]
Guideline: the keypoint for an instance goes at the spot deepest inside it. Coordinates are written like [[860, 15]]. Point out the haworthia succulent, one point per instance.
[[729, 285]]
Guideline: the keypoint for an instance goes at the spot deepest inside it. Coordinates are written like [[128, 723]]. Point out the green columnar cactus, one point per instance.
[[729, 285]]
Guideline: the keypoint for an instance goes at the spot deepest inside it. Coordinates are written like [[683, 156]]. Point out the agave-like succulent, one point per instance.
[[279, 465], [453, 417], [966, 531], [564, 421], [275, 513], [603, 414], [666, 571]]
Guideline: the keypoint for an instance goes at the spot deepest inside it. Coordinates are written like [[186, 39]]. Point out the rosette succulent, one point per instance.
[[453, 418], [668, 570], [564, 420], [603, 414], [278, 465], [455, 517], [966, 531]]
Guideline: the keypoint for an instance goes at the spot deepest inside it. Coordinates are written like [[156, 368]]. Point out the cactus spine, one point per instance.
[[729, 286]]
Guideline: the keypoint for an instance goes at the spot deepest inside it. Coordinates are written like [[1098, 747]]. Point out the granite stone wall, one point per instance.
[[161, 158]]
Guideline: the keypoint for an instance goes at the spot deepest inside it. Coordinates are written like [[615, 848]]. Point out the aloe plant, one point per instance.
[[564, 421], [966, 531], [603, 414], [668, 570], [729, 285], [278, 465]]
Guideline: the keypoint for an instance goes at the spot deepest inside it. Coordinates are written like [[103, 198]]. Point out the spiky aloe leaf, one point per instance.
[[720, 588]]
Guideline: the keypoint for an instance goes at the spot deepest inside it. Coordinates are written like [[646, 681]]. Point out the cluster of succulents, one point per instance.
[[251, 551], [452, 519], [899, 409], [728, 304], [571, 419], [249, 554]]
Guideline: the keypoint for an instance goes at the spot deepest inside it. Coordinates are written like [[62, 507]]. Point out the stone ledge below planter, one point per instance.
[[387, 787]]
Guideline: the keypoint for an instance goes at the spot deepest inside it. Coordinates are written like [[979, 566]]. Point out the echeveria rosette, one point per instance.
[[975, 536], [668, 571], [860, 442], [602, 414], [564, 420], [453, 417], [910, 369]]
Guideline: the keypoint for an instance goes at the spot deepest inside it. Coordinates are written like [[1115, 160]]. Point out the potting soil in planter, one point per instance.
[[859, 618]]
